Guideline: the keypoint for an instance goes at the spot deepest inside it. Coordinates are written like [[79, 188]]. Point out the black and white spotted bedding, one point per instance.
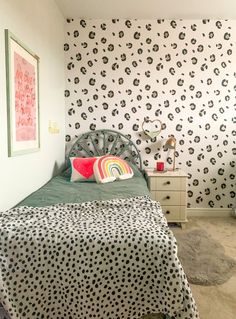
[[103, 259]]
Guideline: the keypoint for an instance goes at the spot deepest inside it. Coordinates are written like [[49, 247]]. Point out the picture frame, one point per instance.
[[22, 81]]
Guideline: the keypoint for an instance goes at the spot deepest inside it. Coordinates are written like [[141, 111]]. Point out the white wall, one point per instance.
[[40, 26]]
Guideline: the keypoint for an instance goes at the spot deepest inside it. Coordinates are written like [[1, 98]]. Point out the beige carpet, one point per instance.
[[216, 302], [203, 258]]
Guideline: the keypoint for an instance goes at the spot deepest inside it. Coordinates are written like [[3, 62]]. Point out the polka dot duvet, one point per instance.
[[114, 259]]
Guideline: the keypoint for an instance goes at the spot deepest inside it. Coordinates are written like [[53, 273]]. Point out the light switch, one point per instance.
[[53, 127]]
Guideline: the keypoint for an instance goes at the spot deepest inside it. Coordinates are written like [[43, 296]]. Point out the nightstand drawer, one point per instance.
[[172, 212], [169, 198], [167, 183]]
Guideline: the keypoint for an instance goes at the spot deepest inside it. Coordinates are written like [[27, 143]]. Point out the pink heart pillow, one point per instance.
[[82, 168]]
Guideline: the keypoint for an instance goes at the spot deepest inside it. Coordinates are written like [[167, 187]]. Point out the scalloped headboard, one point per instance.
[[102, 142]]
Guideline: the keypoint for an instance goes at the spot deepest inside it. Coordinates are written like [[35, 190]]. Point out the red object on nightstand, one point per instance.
[[160, 166]]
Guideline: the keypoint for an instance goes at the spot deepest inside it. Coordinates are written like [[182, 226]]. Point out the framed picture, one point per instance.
[[22, 70]]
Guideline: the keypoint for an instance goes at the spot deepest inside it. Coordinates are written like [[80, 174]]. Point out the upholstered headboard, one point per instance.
[[102, 142]]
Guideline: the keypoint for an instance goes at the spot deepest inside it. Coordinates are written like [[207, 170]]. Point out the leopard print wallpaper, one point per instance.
[[182, 72]]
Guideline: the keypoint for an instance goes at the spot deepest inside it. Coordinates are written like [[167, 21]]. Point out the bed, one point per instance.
[[85, 250]]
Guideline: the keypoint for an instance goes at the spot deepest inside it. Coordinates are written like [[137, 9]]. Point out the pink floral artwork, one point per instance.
[[25, 101]]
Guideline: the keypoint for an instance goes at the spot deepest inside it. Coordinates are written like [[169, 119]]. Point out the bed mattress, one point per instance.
[[60, 190]]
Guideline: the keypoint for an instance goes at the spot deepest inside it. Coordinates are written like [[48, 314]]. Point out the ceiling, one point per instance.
[[148, 9]]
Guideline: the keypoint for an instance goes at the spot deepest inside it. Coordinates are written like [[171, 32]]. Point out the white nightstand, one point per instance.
[[170, 189]]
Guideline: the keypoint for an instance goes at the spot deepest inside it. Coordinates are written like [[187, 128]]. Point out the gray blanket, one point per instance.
[[103, 259]]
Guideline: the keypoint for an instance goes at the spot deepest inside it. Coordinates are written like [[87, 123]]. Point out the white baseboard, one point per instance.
[[209, 212]]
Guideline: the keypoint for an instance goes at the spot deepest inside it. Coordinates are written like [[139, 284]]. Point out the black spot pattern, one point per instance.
[[181, 71], [102, 259]]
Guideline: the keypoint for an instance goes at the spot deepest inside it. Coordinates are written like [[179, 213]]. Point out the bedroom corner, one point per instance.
[[118, 156]]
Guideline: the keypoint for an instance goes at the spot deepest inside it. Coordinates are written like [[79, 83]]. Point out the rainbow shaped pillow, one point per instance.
[[108, 168]]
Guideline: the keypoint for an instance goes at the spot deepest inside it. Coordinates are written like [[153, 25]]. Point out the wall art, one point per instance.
[[22, 71]]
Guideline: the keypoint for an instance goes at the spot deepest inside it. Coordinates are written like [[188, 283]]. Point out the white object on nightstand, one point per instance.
[[170, 189]]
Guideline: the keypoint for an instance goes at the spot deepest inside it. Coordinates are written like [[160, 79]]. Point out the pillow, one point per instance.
[[66, 172], [137, 172], [82, 168], [108, 168]]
